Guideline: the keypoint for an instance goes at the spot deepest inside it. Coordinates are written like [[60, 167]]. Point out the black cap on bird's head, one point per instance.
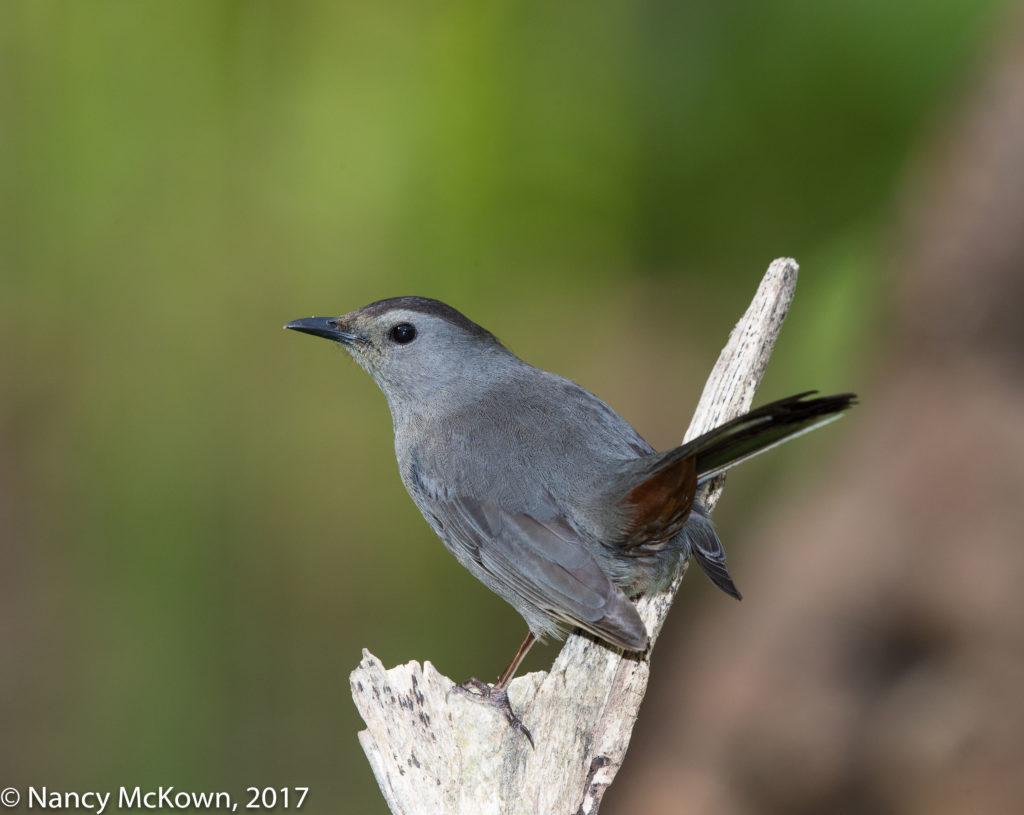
[[337, 328]]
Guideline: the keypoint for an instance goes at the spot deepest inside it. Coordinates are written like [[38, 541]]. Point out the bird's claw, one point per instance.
[[496, 697]]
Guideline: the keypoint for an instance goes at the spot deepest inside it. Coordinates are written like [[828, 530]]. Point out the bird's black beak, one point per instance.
[[327, 327]]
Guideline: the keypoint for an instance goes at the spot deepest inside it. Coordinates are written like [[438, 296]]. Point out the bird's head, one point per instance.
[[415, 348]]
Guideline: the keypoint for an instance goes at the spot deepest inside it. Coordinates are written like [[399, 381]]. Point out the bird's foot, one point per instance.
[[494, 696]]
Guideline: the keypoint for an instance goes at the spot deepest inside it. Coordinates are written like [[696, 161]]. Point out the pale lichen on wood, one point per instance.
[[434, 753]]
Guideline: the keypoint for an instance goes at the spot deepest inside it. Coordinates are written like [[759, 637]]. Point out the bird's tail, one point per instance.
[[663, 487], [761, 429]]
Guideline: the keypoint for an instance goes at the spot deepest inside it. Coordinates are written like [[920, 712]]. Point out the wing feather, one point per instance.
[[539, 564]]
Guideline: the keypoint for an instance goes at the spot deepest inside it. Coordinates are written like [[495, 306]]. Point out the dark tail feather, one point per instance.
[[718, 574], [659, 501], [707, 550], [761, 429]]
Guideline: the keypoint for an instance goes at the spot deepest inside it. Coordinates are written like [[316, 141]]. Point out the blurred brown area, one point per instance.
[[877, 662]]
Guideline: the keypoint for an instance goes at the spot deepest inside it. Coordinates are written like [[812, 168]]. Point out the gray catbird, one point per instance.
[[540, 489]]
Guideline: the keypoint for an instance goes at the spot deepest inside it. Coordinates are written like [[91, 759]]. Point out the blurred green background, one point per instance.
[[201, 522]]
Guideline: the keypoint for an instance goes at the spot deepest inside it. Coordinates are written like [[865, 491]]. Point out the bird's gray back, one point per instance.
[[523, 440], [512, 480]]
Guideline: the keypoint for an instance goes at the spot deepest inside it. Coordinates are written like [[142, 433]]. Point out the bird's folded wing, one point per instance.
[[545, 562]]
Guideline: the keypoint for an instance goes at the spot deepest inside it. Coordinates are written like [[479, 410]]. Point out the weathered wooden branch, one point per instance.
[[433, 753]]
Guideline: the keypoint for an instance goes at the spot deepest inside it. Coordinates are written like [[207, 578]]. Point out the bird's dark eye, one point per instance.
[[403, 333]]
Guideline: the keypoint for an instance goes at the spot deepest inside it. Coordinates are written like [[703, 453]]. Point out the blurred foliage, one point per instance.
[[200, 516]]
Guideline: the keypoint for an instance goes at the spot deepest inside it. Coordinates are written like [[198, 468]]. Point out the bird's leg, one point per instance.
[[497, 694], [510, 671]]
